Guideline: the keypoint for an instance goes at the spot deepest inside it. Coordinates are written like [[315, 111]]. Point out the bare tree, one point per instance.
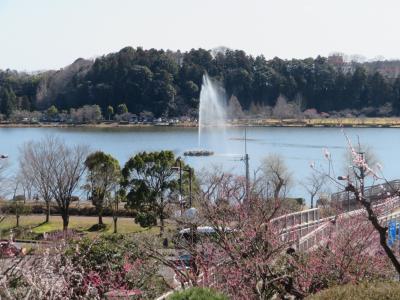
[[277, 176], [67, 169], [35, 167], [314, 185], [219, 187], [57, 170], [17, 205], [284, 109], [234, 108], [257, 110], [3, 176], [86, 114], [26, 184]]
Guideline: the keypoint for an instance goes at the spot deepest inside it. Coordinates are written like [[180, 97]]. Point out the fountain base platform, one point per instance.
[[198, 153]]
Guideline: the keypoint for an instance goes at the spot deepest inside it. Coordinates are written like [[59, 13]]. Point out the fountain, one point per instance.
[[212, 108], [212, 116]]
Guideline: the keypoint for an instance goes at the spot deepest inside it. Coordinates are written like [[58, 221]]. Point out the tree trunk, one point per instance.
[[17, 220], [161, 211], [115, 219], [47, 212], [65, 218], [100, 214], [162, 225]]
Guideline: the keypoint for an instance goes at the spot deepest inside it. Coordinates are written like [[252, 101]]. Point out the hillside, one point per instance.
[[168, 83]]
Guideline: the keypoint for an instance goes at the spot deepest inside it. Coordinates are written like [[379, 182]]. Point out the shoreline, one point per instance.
[[296, 123]]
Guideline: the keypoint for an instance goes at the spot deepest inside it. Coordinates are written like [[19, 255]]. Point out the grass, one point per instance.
[[355, 121], [325, 122], [35, 224], [197, 293], [363, 291], [315, 122]]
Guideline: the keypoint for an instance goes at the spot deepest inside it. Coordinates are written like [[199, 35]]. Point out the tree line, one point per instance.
[[168, 83]]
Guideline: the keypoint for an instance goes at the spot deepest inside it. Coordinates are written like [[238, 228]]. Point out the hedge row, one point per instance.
[[364, 291], [74, 211]]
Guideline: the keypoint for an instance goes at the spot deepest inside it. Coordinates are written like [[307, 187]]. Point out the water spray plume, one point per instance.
[[212, 111]]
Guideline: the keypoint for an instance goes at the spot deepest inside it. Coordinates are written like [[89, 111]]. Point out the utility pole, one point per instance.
[[115, 209], [362, 174], [190, 187], [189, 170], [180, 186], [180, 177], [246, 161]]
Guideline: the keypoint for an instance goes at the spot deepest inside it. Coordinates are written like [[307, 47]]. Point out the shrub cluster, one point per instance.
[[197, 294], [364, 291]]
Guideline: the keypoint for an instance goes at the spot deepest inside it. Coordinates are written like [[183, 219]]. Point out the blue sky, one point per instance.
[[49, 34]]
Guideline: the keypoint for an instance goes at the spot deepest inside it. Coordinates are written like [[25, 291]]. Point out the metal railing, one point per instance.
[[296, 218], [320, 234], [343, 199], [372, 193]]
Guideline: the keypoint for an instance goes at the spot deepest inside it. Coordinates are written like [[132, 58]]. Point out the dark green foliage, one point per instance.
[[363, 291], [8, 101], [122, 109], [103, 177], [18, 207], [168, 83], [146, 219], [97, 227], [151, 181], [107, 250], [110, 111], [78, 210], [17, 91], [197, 293], [52, 111]]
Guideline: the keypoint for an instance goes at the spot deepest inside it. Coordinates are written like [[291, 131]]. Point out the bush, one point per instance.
[[146, 219], [98, 227], [116, 262], [14, 206], [197, 294], [40, 208], [363, 291]]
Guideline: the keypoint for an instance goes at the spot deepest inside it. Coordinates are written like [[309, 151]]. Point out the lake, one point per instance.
[[298, 146]]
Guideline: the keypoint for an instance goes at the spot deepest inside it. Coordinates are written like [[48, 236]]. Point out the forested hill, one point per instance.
[[168, 83]]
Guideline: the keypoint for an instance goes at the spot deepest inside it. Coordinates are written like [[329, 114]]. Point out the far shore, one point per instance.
[[317, 122]]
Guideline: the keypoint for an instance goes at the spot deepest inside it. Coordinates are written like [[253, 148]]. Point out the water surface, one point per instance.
[[298, 146]]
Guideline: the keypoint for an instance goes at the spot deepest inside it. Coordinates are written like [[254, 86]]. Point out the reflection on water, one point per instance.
[[304, 146]]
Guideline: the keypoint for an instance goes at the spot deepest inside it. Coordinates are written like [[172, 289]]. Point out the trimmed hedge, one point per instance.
[[387, 290], [73, 210], [197, 294]]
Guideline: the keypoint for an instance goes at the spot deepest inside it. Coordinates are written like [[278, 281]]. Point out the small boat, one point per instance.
[[198, 153]]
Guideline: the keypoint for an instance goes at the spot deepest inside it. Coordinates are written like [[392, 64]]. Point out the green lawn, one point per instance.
[[80, 223]]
